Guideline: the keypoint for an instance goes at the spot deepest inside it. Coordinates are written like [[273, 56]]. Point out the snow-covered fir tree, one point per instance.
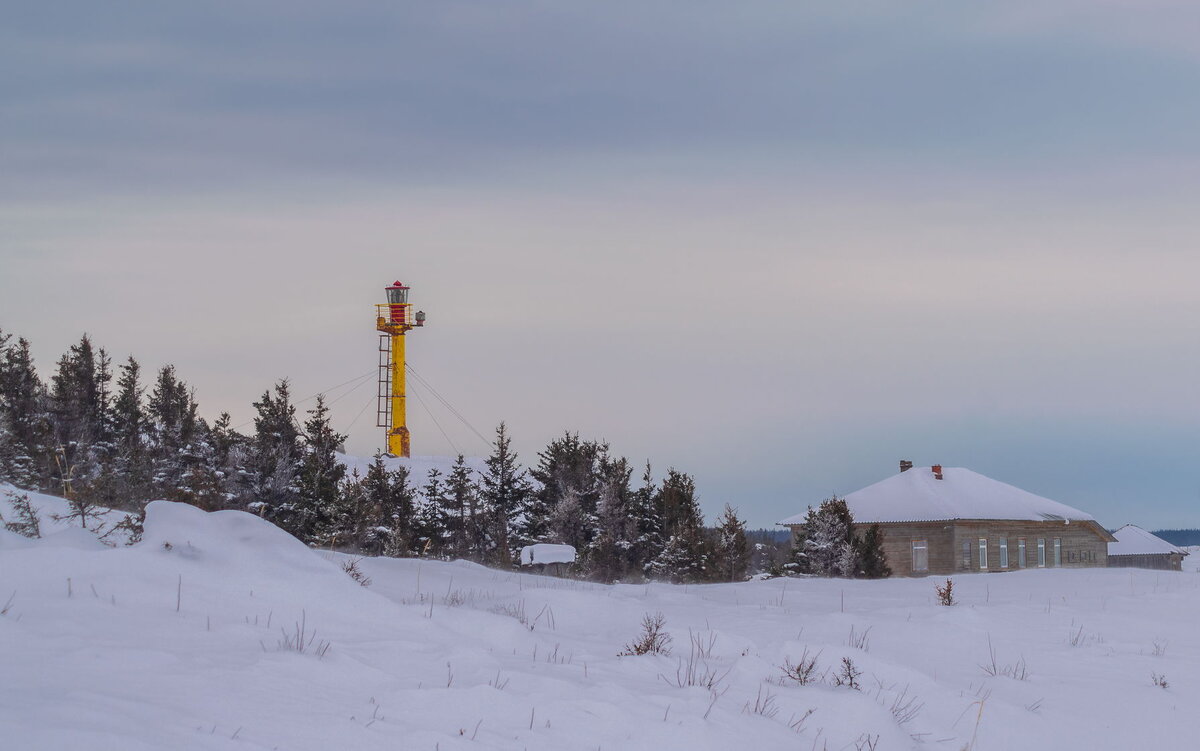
[[685, 558], [25, 417], [273, 461], [732, 550], [505, 491], [320, 474]]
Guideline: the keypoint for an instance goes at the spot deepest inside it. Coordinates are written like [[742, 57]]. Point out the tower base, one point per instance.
[[398, 442]]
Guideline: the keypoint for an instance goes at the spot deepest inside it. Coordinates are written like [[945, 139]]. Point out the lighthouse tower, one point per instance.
[[393, 320]]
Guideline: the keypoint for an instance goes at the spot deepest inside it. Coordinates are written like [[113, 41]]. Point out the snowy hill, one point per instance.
[[218, 631]]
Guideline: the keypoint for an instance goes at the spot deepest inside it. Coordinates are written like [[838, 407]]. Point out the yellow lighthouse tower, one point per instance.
[[393, 320]]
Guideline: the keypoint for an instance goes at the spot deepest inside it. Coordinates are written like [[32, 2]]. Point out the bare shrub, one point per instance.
[[945, 594], [905, 707], [859, 640], [8, 605], [866, 742], [848, 675], [300, 640], [350, 566], [1159, 680], [516, 611], [1017, 670], [1160, 648], [653, 641], [803, 671], [695, 670], [763, 705]]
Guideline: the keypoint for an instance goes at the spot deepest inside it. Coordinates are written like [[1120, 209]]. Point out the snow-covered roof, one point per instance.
[[544, 552], [1133, 540], [917, 495]]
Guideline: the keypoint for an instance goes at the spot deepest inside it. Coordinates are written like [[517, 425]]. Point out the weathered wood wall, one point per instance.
[[1084, 545], [1158, 561]]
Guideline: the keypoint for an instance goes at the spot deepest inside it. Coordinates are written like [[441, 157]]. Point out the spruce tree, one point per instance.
[[273, 460], [567, 467], [131, 460], [429, 521], [320, 475], [732, 548], [686, 556], [78, 409], [201, 478], [24, 412], [872, 561], [607, 557], [505, 492], [826, 546], [646, 519], [460, 502], [171, 417]]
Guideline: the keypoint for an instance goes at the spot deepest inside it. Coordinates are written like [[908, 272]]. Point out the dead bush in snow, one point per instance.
[[653, 641], [763, 705], [859, 641], [905, 707], [803, 671], [945, 594], [848, 675], [301, 641], [695, 670], [1017, 670], [350, 566], [516, 611], [1159, 680]]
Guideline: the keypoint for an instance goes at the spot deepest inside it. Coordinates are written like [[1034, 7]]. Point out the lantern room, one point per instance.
[[397, 293], [397, 297]]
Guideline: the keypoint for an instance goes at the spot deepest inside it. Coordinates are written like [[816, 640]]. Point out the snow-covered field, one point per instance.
[[189, 640]]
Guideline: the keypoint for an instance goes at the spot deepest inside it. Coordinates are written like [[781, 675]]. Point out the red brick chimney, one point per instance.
[[937, 471]]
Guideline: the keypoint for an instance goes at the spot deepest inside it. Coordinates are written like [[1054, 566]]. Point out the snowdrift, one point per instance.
[[219, 631]]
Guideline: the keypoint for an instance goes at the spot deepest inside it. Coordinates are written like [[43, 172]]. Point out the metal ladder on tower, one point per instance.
[[383, 407]]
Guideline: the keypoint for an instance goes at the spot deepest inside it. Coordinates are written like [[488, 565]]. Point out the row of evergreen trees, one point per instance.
[[102, 438]]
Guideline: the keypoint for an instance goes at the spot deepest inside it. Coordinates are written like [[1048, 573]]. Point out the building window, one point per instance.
[[920, 555], [1021, 552], [1041, 552], [1057, 551], [966, 558], [1003, 552], [982, 553]]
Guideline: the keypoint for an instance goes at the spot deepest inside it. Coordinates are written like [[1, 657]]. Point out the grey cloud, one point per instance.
[[137, 96]]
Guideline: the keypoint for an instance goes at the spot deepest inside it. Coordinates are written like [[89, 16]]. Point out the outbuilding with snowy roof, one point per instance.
[[937, 520], [1137, 548]]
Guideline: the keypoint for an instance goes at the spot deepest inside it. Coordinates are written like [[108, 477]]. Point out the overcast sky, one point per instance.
[[778, 245]]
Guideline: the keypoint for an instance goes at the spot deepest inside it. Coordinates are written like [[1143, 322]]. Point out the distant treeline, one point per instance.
[[101, 437], [1180, 537]]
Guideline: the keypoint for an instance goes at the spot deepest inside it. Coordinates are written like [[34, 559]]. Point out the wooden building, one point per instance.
[[1137, 548], [951, 521]]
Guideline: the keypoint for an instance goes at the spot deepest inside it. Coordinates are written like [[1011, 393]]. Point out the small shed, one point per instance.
[[548, 558], [1137, 548]]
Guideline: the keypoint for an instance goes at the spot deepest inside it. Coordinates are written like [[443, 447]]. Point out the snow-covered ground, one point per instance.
[[188, 641]]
